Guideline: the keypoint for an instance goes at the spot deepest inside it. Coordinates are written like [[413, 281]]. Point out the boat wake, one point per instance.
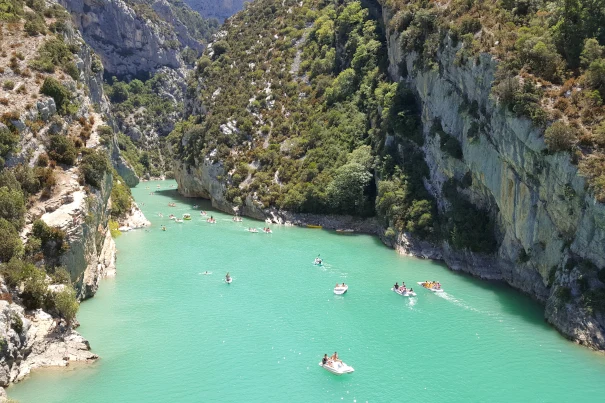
[[458, 302]]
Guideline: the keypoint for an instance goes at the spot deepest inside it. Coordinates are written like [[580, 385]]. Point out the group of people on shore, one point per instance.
[[402, 287]]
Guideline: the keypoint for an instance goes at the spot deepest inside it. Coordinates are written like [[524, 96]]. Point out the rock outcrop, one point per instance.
[[131, 44]]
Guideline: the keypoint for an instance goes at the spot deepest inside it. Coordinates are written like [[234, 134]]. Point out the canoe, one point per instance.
[[314, 226]]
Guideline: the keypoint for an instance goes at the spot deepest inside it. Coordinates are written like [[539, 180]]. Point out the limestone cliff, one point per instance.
[[551, 230], [131, 44]]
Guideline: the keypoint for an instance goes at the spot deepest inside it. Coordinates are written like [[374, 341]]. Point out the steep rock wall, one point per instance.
[[548, 224], [129, 44]]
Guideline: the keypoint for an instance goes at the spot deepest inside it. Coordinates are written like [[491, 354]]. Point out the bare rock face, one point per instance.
[[219, 9], [130, 44]]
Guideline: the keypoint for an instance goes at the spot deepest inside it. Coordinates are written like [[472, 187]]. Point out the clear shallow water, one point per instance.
[[165, 332]]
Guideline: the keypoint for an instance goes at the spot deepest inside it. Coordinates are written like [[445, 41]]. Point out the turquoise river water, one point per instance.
[[167, 333]]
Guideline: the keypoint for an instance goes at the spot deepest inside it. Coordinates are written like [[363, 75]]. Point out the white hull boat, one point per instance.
[[337, 368], [340, 289], [431, 289], [404, 294], [178, 220], [229, 280]]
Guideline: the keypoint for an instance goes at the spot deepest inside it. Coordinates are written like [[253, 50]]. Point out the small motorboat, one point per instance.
[[172, 216], [195, 207], [238, 219], [171, 204], [267, 230], [341, 289], [406, 293], [163, 228], [314, 226], [336, 367], [203, 213], [434, 286], [253, 230], [228, 279], [178, 220], [345, 231], [211, 220], [187, 217], [318, 261]]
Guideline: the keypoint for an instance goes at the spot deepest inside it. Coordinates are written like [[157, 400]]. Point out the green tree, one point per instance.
[[94, 166], [560, 137], [346, 191], [66, 303], [12, 206], [62, 149], [10, 242]]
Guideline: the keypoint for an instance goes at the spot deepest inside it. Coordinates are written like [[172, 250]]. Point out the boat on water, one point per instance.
[[195, 207], [211, 220], [318, 261], [163, 228], [336, 367], [172, 216], [203, 213], [228, 279], [314, 226], [253, 230], [340, 289], [178, 220], [267, 230], [171, 204], [160, 215], [404, 292], [345, 231], [238, 219], [187, 217], [433, 286]]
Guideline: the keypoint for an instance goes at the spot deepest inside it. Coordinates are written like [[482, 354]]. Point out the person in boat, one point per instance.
[[228, 277], [411, 290], [324, 360], [335, 357], [396, 286]]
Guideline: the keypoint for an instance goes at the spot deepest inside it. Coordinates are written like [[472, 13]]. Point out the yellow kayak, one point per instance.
[[313, 226]]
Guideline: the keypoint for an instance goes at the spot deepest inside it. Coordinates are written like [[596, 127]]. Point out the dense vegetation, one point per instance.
[[299, 110]]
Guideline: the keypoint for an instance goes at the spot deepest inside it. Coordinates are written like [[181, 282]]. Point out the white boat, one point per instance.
[[430, 288], [178, 220], [195, 207], [404, 294], [337, 368], [229, 280], [318, 262], [341, 289], [268, 231], [203, 213], [253, 230]]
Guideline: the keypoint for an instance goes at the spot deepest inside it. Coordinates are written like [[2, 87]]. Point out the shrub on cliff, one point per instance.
[[560, 137], [10, 242], [64, 302], [121, 200], [12, 206], [8, 141], [94, 166], [52, 240], [34, 24], [59, 93], [62, 149], [52, 54]]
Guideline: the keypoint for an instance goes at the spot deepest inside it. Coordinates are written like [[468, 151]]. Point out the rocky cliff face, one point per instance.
[[551, 231], [131, 44], [219, 9]]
